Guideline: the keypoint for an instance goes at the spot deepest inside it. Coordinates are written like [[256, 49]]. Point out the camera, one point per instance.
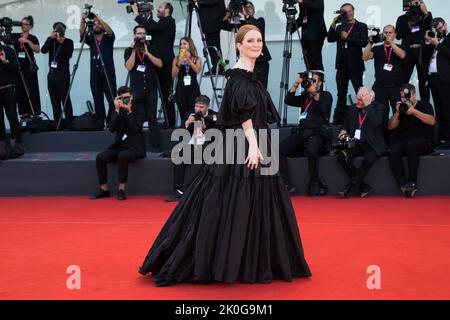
[[198, 116], [90, 16], [375, 35], [144, 6], [60, 30], [307, 79], [236, 7], [342, 18], [406, 102], [345, 143], [6, 26], [125, 100], [289, 9], [433, 33], [139, 44]]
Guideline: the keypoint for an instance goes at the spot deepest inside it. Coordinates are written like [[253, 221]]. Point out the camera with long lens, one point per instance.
[[345, 143], [90, 16], [308, 79], [6, 26], [144, 6], [375, 35], [236, 8], [342, 18], [433, 33], [139, 44], [289, 9], [406, 102]]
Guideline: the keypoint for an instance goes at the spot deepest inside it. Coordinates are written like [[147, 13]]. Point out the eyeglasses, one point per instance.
[[25, 24]]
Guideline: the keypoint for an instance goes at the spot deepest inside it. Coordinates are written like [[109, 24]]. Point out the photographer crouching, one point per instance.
[[315, 108], [414, 122], [128, 146], [361, 135]]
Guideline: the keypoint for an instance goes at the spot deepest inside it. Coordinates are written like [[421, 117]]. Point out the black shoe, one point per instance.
[[314, 189], [290, 188], [121, 195], [414, 190], [174, 196], [100, 194], [347, 190], [323, 187], [365, 190]]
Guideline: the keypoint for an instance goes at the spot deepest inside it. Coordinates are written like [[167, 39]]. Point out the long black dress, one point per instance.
[[186, 94], [233, 223]]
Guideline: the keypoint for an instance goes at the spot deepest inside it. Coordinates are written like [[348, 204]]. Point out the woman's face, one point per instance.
[[251, 45], [26, 26], [184, 45]]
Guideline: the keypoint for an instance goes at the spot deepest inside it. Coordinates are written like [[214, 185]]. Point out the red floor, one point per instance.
[[40, 237]]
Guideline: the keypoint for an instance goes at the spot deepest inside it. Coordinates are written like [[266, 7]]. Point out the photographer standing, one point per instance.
[[414, 121], [60, 50], [126, 123], [314, 31], [262, 63], [142, 63], [411, 28], [436, 55], [104, 36], [315, 108], [351, 37], [363, 133], [388, 60], [163, 38], [8, 74], [208, 119], [26, 45]]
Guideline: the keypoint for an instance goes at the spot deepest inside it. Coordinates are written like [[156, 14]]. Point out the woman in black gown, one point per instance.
[[233, 223]]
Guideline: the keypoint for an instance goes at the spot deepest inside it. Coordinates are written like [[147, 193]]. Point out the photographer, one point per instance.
[[351, 37], [414, 122], [436, 55], [411, 28], [361, 135], [8, 73], [104, 36], [315, 108], [163, 38], [128, 146], [262, 63], [142, 63], [26, 45], [388, 61], [211, 14], [60, 50], [314, 31], [208, 119]]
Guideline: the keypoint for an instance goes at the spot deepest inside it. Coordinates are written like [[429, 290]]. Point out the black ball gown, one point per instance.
[[233, 224]]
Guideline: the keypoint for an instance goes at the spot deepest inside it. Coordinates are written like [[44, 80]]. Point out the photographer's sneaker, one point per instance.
[[121, 195], [413, 190], [100, 194], [365, 190], [347, 190], [174, 196]]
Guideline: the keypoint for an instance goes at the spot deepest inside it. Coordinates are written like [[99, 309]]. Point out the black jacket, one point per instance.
[[261, 24], [443, 58], [163, 34], [351, 57], [9, 71], [211, 15], [314, 29], [373, 132], [404, 31], [130, 125]]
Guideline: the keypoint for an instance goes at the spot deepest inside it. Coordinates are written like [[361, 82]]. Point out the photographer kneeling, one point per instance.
[[128, 146], [315, 108], [414, 122], [361, 135]]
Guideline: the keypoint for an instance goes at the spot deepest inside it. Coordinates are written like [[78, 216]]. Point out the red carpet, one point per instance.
[[40, 237]]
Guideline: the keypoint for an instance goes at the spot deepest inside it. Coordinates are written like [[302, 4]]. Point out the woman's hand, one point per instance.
[[253, 158]]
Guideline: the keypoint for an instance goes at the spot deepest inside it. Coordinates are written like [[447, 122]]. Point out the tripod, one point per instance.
[[214, 77], [291, 25], [88, 31]]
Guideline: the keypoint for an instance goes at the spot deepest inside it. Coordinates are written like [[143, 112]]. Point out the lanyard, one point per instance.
[[186, 67], [361, 119], [22, 45], [351, 28], [55, 52], [388, 56], [308, 104], [141, 58]]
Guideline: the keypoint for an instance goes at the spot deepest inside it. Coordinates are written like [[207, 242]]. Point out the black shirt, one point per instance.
[[318, 112], [383, 77], [420, 22], [9, 70], [142, 81], [106, 48], [60, 53], [22, 49], [411, 127]]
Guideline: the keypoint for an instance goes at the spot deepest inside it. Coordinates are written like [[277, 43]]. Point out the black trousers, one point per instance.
[[58, 85], [409, 63], [213, 40], [31, 79], [347, 157], [8, 103], [165, 81], [387, 96], [308, 147], [146, 102], [413, 149], [122, 155], [343, 76], [263, 69], [441, 97], [313, 54], [100, 91]]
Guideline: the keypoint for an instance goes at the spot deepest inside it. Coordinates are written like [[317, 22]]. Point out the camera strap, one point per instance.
[[388, 55], [308, 104], [350, 29]]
